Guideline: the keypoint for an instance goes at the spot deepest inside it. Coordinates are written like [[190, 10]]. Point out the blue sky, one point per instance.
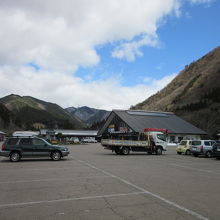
[[106, 54], [183, 40]]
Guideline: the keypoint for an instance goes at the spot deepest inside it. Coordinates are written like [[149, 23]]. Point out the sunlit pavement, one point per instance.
[[93, 183]]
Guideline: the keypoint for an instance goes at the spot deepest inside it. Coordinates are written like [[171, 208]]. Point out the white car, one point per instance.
[[89, 140], [74, 140]]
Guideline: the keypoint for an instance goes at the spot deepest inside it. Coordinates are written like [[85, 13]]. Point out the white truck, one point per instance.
[[152, 140]]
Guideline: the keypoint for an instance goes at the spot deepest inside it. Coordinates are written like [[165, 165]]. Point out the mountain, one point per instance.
[[7, 119], [28, 113], [193, 95], [88, 115]]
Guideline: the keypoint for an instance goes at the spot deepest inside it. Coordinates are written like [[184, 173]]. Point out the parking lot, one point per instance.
[[93, 183]]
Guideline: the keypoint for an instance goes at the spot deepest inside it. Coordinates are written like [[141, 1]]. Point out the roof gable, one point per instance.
[[139, 120]]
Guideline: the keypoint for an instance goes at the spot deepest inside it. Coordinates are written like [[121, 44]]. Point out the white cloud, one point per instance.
[[130, 50], [63, 35], [60, 36], [67, 91]]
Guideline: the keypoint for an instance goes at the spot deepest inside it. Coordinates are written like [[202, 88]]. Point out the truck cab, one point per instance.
[[159, 139]]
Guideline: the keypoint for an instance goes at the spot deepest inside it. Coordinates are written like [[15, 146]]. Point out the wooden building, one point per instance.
[[132, 123]]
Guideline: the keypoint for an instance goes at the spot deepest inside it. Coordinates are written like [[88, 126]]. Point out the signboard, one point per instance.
[[156, 129], [123, 129], [110, 130]]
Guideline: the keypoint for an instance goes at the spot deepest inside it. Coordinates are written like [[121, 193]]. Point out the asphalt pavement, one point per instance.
[[93, 183]]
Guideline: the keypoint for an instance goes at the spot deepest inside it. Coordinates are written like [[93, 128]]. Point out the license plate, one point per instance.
[[194, 148]]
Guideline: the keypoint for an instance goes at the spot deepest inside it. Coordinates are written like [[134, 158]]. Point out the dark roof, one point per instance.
[[139, 120]]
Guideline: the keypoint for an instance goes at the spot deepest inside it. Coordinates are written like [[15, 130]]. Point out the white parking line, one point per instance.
[[69, 199], [140, 191], [33, 169], [197, 215], [48, 180], [196, 169]]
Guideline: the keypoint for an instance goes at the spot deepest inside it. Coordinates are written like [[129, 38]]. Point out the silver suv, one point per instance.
[[201, 147]]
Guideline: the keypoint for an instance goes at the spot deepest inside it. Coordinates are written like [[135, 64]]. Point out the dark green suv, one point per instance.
[[19, 147]]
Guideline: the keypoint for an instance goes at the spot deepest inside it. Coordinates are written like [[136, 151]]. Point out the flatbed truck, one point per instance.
[[152, 141]]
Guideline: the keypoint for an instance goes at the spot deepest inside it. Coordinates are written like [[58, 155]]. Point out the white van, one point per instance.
[[201, 147]]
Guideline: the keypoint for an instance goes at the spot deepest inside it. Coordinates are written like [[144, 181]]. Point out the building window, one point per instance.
[[172, 139], [180, 139]]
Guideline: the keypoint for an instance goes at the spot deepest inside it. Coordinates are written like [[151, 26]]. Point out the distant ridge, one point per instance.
[[26, 112], [30, 113], [88, 115]]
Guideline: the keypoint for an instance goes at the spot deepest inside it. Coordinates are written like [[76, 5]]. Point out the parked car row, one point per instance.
[[88, 140], [76, 140], [73, 140], [208, 148]]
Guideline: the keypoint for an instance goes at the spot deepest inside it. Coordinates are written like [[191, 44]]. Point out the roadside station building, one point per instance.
[[69, 133], [122, 123]]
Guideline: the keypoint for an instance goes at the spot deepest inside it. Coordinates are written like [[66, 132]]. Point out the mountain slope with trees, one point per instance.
[[31, 113], [193, 95], [7, 119], [28, 113]]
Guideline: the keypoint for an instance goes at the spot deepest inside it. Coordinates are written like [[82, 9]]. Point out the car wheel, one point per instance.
[[159, 151], [179, 153], [15, 157], [117, 151], [187, 152], [125, 150], [208, 154], [55, 155]]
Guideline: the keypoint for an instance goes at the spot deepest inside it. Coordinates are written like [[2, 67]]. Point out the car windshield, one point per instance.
[[183, 142], [196, 142], [46, 142], [161, 137], [212, 142]]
